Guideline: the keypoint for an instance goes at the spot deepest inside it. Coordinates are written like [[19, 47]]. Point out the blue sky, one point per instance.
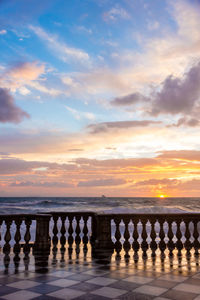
[[103, 81]]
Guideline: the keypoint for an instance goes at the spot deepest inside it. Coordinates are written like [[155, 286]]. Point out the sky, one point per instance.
[[100, 97]]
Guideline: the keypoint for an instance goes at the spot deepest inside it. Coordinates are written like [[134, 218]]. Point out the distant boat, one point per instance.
[[103, 196]]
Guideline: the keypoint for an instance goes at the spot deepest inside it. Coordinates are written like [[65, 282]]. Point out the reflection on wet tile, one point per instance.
[[109, 292], [85, 278], [150, 290], [138, 279], [21, 295], [23, 284], [66, 294], [101, 281], [63, 282]]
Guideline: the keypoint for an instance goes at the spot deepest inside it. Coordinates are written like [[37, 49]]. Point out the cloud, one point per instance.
[[102, 182], [128, 99], [26, 71], [105, 126], [191, 122], [20, 75], [60, 49], [190, 185], [191, 155], [20, 166], [24, 76], [46, 184], [17, 166], [178, 95], [79, 114], [171, 52], [9, 111], [170, 174], [186, 15], [3, 31], [154, 181], [115, 13], [115, 163], [84, 29]]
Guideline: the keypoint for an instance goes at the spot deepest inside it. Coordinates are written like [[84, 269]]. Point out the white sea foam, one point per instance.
[[147, 209]]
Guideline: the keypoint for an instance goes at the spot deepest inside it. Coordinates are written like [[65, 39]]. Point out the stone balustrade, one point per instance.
[[107, 233]]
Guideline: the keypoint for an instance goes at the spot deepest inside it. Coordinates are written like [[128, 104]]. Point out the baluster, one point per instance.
[[26, 247], [55, 233], [7, 238], [17, 237], [77, 238], [85, 234], [63, 231], [162, 244], [70, 237], [27, 237], [144, 244], [118, 245], [62, 241], [179, 244], [1, 221], [187, 243], [153, 244], [126, 244], [6, 248], [17, 246], [135, 244], [170, 244], [196, 237]]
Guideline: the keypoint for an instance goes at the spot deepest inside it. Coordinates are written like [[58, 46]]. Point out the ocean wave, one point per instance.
[[147, 209], [123, 204]]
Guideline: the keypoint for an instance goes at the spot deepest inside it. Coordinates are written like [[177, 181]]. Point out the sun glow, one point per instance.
[[162, 196]]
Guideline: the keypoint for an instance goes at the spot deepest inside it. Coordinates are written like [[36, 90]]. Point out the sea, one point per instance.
[[32, 205]]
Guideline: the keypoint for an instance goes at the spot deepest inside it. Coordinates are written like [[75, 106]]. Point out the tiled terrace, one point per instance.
[[90, 256], [84, 277]]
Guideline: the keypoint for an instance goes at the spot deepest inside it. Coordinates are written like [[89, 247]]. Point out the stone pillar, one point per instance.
[[103, 246], [42, 239], [41, 248]]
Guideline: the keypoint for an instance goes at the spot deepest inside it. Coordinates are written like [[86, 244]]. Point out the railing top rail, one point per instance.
[[78, 213], [22, 216], [152, 215], [109, 215]]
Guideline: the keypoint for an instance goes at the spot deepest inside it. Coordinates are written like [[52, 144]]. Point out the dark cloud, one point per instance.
[[101, 182], [19, 166], [105, 126], [176, 95], [191, 155], [164, 181], [75, 150], [191, 122], [86, 163], [9, 112], [191, 185], [4, 153], [128, 99], [41, 184]]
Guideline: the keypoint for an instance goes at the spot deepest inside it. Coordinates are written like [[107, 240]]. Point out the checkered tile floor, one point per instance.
[[86, 278]]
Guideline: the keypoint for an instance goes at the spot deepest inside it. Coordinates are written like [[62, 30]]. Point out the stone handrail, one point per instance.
[[106, 232], [149, 232]]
